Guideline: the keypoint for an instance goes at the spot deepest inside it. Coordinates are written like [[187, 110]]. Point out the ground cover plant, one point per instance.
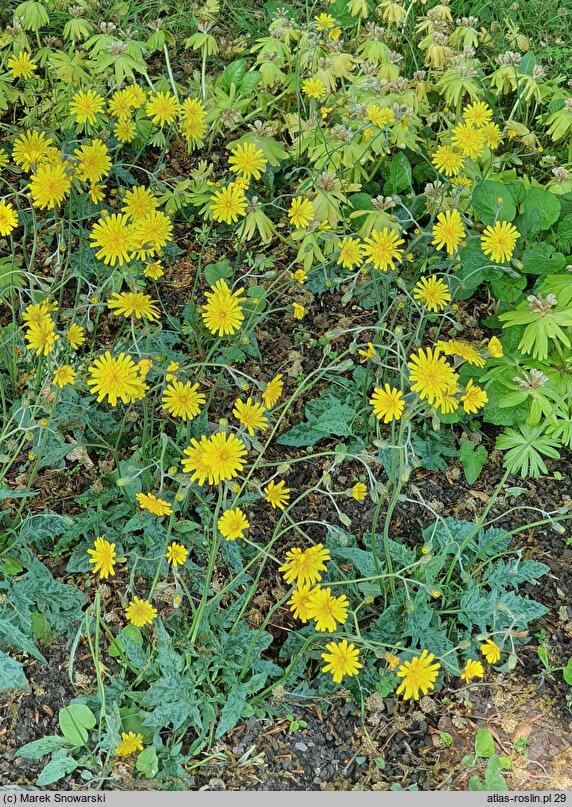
[[179, 209]]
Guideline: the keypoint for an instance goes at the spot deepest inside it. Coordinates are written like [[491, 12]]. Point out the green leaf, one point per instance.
[[565, 232], [12, 674], [56, 769], [541, 259], [233, 706], [543, 655], [39, 748], [12, 636], [494, 780], [399, 174], [446, 739], [233, 74], [217, 271], [484, 743], [473, 459], [75, 720], [567, 672], [506, 286], [545, 203], [486, 205], [147, 762]]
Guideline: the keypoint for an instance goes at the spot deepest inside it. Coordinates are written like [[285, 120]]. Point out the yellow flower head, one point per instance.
[[50, 184], [8, 218], [86, 105], [273, 391], [299, 602], [216, 459], [177, 554], [193, 123], [448, 161], [314, 88], [22, 65], [233, 524], [379, 116], [153, 270], [63, 376], [477, 114], [247, 161], [304, 566], [419, 674], [430, 375], [474, 398], [326, 610], [154, 504], [30, 148], [301, 212], [182, 400], [277, 495], [382, 248], [228, 204], [151, 233], [432, 292], [369, 352], [162, 108], [388, 403], [464, 350], [351, 253], [469, 140], [103, 557], [497, 242], [114, 378], [359, 491], [133, 303], [94, 162], [140, 612], [130, 743], [494, 348], [298, 310], [74, 335], [491, 651], [41, 336], [473, 669], [250, 414], [139, 202], [341, 659], [449, 231], [125, 130], [114, 237], [222, 314]]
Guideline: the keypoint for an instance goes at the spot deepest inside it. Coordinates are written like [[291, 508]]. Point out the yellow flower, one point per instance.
[[41, 336], [497, 242], [116, 378], [473, 669], [114, 237], [369, 352], [133, 303], [273, 391], [495, 348], [474, 398], [153, 270], [30, 148], [325, 111], [432, 292], [125, 130], [447, 404], [217, 459], [193, 114], [477, 114], [449, 231], [50, 184], [299, 602], [392, 661], [351, 253], [172, 368], [379, 116], [464, 350], [493, 135], [143, 367], [300, 276], [177, 554], [301, 212], [162, 108], [359, 491], [130, 743], [461, 182], [96, 193], [247, 160], [34, 314], [327, 610], [103, 557], [342, 659], [140, 612], [250, 414], [139, 202], [305, 566], [154, 504], [228, 204], [324, 22], [8, 218], [233, 524], [431, 376], [182, 400], [94, 162], [85, 106], [382, 248], [222, 314], [314, 88], [468, 140], [418, 674], [121, 104], [491, 651], [151, 233], [74, 335], [388, 403], [63, 376], [298, 310], [22, 65], [277, 494], [448, 161]]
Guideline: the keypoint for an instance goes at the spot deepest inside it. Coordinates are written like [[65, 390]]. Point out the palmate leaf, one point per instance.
[[524, 449]]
